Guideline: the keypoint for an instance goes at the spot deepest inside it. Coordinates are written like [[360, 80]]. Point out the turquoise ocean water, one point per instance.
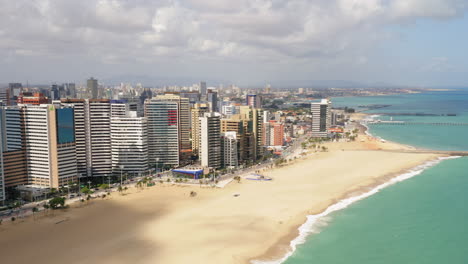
[[422, 219]]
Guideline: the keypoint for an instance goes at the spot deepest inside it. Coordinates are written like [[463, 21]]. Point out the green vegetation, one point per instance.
[[57, 202]]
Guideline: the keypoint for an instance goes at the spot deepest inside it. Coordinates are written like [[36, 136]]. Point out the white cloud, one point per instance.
[[258, 30]]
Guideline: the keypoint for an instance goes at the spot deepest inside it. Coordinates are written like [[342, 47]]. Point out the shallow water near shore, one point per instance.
[[419, 220]]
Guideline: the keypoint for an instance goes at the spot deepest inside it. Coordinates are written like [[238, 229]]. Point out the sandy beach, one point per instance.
[[163, 224]]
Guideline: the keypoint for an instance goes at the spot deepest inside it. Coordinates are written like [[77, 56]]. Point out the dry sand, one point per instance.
[[162, 224]]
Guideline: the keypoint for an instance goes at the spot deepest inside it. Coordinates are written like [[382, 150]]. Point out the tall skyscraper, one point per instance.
[[163, 131], [11, 95], [321, 118], [70, 90], [50, 145], [54, 93], [244, 134], [229, 146], [129, 144], [210, 137], [93, 136], [196, 112], [203, 90], [212, 98], [92, 85], [13, 150]]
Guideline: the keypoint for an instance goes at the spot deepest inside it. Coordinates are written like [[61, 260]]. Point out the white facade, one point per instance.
[[228, 110], [129, 144], [230, 155], [321, 118], [210, 137], [49, 163]]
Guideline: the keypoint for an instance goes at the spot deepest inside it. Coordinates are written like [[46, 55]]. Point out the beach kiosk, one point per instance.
[[195, 174]]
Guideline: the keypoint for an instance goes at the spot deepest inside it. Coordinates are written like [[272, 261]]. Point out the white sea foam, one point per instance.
[[368, 119], [313, 221]]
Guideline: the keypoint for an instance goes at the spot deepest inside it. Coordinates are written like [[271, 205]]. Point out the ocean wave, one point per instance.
[[312, 225], [368, 119]]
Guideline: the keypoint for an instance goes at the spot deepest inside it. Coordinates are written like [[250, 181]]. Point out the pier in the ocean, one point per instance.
[[403, 123]]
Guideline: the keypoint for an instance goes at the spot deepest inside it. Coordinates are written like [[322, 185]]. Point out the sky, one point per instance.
[[246, 42]]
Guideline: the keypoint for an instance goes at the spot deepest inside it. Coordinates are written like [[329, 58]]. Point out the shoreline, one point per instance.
[[266, 216], [306, 229]]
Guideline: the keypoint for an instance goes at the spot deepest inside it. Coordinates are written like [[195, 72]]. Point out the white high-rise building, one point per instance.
[[93, 135], [228, 110], [230, 154], [210, 137], [50, 144], [129, 144], [321, 118]]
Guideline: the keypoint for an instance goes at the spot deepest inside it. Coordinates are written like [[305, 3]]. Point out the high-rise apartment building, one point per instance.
[[212, 98], [229, 149], [197, 111], [210, 137], [11, 93], [49, 145], [92, 85], [246, 139], [203, 90], [163, 131], [129, 143], [321, 118], [70, 90], [277, 134], [254, 100], [93, 136], [13, 150]]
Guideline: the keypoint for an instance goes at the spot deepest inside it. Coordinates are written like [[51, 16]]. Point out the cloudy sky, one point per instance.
[[254, 42]]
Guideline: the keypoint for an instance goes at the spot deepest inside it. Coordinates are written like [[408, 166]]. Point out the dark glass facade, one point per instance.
[[65, 126]]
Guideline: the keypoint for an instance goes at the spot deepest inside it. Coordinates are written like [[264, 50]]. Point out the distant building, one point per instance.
[[12, 92], [92, 85], [203, 89], [210, 137], [321, 118], [70, 90], [278, 134], [254, 100], [32, 98], [228, 110], [212, 98]]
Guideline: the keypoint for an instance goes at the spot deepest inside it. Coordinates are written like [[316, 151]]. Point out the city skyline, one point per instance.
[[372, 42]]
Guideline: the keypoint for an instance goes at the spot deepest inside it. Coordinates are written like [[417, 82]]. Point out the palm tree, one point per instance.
[[46, 208], [34, 211]]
